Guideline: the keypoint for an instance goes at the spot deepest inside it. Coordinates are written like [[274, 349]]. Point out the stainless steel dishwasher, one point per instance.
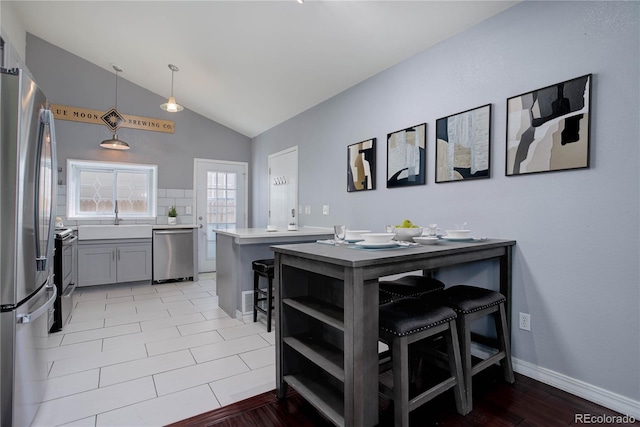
[[173, 254]]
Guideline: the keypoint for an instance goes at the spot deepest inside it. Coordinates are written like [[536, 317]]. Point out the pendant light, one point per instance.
[[113, 119], [171, 105]]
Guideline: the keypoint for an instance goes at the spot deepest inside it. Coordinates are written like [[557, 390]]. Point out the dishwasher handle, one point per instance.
[[174, 232]]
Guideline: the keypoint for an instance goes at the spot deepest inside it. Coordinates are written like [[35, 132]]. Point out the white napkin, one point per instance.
[[326, 242], [403, 243]]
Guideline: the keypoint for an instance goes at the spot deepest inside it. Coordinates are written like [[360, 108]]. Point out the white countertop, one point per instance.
[[262, 233]]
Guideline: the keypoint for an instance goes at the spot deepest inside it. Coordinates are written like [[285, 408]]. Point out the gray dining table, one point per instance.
[[326, 305]]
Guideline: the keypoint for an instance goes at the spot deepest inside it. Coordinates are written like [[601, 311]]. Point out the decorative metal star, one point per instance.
[[113, 119]]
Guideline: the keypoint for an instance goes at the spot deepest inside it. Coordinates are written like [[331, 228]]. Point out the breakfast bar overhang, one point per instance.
[[327, 317]]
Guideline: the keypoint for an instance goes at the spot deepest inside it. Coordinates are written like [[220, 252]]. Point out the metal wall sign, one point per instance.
[[112, 119]]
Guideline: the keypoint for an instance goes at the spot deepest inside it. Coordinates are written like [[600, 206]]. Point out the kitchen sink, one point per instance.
[[101, 232]]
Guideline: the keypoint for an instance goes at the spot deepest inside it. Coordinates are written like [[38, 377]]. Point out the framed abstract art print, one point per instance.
[[361, 166], [406, 157], [548, 128], [463, 145]]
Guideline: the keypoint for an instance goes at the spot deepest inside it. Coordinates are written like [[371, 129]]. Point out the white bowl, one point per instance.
[[377, 237], [355, 235], [407, 234], [427, 240], [458, 233]]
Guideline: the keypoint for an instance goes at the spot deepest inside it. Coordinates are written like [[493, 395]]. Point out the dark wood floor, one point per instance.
[[525, 403]]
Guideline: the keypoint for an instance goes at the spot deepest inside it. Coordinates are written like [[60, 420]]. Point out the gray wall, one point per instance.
[[70, 80], [576, 260]]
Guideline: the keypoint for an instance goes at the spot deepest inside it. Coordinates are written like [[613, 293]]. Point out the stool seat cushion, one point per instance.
[[411, 286], [384, 297], [410, 315], [467, 299], [265, 266]]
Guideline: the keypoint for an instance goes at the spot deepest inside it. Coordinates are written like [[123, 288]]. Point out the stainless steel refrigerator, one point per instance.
[[28, 172]]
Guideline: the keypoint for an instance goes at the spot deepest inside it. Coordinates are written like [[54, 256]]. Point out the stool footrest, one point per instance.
[[261, 310], [483, 364], [434, 391]]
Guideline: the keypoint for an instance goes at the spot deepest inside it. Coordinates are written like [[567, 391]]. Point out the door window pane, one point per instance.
[[221, 194]]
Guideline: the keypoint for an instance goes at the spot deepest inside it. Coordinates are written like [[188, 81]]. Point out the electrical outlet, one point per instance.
[[325, 209], [188, 210], [525, 321], [300, 210], [307, 210]]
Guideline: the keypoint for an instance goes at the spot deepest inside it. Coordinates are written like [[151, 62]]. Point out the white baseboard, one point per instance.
[[598, 395], [594, 394]]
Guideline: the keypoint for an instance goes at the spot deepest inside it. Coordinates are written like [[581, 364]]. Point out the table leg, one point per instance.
[[361, 349], [506, 271], [281, 385]]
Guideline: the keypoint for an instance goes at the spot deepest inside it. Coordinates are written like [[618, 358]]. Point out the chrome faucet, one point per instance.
[[117, 220]]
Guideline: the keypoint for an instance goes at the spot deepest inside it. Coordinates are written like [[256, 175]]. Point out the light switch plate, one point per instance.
[[325, 209], [188, 210], [307, 209]]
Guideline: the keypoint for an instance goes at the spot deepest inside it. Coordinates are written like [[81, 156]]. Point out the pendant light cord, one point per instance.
[[116, 106], [172, 73]]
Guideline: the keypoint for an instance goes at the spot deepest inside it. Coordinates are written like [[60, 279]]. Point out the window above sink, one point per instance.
[[94, 187]]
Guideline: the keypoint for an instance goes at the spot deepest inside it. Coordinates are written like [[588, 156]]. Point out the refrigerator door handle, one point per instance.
[[46, 122], [26, 318]]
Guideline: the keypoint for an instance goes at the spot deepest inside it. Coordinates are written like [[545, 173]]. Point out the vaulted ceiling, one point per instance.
[[249, 65]]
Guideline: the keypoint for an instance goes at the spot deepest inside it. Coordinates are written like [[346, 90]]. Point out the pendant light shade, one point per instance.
[[171, 105], [114, 143], [113, 119]]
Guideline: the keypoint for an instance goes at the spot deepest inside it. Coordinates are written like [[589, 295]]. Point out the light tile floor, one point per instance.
[[149, 355]]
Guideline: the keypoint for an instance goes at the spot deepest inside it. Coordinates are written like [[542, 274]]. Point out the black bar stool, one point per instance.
[[407, 286], [263, 268], [471, 303], [407, 321]]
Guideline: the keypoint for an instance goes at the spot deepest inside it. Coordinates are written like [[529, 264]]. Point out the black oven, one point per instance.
[[64, 268]]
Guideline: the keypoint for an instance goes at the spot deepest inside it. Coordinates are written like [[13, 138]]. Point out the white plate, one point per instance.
[[275, 229], [353, 240], [389, 244], [427, 240]]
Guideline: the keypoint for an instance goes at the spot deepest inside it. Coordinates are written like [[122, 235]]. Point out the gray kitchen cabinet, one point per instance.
[[103, 262]]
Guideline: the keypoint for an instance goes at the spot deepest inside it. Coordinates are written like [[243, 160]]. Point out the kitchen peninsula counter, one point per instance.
[[235, 251]]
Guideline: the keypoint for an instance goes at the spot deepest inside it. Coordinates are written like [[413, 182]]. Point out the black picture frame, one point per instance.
[[361, 166], [407, 157], [463, 145], [549, 129]]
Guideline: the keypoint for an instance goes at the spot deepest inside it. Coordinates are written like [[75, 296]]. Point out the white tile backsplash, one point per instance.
[[180, 198]]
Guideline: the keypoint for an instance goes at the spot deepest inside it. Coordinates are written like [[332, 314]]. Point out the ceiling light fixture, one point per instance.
[[300, 1], [171, 105], [113, 119]]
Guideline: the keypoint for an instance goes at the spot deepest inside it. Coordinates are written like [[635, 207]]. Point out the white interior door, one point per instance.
[[220, 190], [283, 188]]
